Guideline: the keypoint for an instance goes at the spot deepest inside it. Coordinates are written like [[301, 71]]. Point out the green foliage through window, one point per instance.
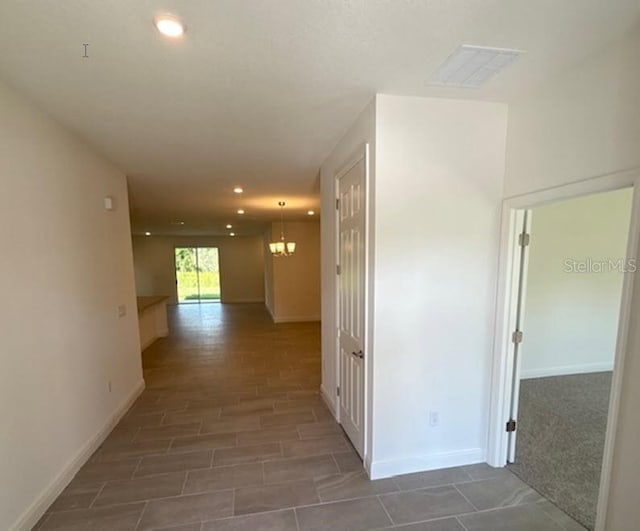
[[197, 273]]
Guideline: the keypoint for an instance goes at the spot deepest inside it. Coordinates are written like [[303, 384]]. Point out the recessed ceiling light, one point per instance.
[[170, 26], [238, 190], [311, 213], [240, 211], [229, 226], [232, 234], [472, 66], [147, 234], [177, 222]]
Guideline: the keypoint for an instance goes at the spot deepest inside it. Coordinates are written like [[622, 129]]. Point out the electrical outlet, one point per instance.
[[122, 310], [434, 418]]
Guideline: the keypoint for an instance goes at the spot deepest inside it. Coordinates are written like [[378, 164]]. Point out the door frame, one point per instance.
[[501, 383], [522, 222], [361, 153]]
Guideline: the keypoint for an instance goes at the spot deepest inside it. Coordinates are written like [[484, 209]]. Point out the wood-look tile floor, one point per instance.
[[231, 434]]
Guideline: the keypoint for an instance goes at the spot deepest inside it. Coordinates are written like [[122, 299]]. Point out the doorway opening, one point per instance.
[[570, 278], [197, 274]]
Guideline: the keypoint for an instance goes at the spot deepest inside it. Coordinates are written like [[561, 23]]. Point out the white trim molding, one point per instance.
[[271, 314], [37, 509], [295, 319], [422, 463], [146, 344], [567, 370]]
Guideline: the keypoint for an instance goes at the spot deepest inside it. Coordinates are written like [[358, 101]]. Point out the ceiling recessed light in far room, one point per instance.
[[147, 234], [177, 223], [472, 66], [232, 234], [240, 211], [310, 213], [170, 26], [238, 190], [229, 226]]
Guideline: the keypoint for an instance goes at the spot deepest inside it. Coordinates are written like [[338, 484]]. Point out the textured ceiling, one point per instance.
[[259, 91]]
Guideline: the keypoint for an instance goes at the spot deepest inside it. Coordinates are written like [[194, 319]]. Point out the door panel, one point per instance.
[[351, 295]]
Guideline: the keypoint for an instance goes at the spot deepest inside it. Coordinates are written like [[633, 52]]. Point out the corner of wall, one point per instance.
[[361, 131], [326, 395]]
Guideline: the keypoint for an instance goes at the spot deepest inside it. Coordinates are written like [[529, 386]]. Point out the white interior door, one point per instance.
[[351, 300]]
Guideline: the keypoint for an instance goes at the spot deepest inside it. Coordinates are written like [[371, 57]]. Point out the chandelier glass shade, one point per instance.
[[282, 247]]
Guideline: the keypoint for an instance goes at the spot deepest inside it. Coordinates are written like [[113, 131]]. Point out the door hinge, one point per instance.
[[517, 337], [338, 269], [511, 426], [524, 239], [338, 391], [337, 204]]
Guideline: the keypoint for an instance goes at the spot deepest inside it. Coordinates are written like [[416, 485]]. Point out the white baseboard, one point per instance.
[[565, 370], [148, 343], [296, 319], [331, 403], [367, 465], [292, 318], [423, 463], [270, 312], [35, 511]]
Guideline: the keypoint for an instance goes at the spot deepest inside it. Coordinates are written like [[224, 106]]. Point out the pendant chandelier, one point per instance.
[[283, 247]]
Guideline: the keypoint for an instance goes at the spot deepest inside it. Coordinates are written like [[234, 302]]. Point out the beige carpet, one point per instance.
[[561, 430]]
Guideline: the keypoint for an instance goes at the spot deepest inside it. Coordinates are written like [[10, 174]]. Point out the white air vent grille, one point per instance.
[[471, 66]]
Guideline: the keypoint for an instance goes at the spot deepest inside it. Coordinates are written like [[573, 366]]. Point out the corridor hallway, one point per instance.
[[232, 434]]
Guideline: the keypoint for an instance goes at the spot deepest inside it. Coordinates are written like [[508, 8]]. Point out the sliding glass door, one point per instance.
[[197, 274]]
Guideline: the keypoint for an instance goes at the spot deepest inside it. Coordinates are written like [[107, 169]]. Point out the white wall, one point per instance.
[[293, 282], [65, 267], [439, 179], [241, 265], [360, 133], [571, 317], [582, 124], [435, 189]]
